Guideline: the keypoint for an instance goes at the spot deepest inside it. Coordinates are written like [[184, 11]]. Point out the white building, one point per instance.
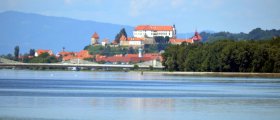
[[134, 42], [105, 42], [143, 31]]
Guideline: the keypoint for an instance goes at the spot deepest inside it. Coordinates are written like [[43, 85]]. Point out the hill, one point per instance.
[[255, 34], [46, 32]]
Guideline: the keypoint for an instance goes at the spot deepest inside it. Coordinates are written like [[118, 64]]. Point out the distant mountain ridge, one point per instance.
[[255, 34], [34, 31], [30, 31]]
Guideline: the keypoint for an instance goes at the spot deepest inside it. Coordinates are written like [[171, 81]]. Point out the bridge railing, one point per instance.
[[75, 65]]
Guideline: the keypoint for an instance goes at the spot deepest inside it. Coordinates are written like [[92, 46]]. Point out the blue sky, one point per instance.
[[187, 15]]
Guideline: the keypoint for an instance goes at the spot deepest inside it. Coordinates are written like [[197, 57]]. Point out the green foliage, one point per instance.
[[90, 59], [107, 50], [44, 58], [8, 56], [150, 48], [32, 52], [155, 48], [135, 67], [131, 50], [160, 39], [225, 56], [161, 42], [151, 67], [119, 35], [255, 34]]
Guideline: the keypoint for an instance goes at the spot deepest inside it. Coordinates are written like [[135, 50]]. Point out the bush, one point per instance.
[[135, 67]]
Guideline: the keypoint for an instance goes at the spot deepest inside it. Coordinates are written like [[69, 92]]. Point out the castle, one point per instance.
[[149, 31], [145, 34]]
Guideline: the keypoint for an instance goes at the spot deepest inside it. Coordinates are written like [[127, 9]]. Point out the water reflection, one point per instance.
[[132, 96]]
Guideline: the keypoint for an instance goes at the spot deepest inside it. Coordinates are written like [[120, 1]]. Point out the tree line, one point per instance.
[[224, 56], [30, 57], [255, 34]]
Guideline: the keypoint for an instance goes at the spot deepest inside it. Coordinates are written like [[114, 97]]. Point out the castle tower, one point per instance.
[[94, 38]]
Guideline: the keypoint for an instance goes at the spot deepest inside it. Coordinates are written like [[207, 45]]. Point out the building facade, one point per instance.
[[196, 38], [149, 31], [40, 51], [133, 42]]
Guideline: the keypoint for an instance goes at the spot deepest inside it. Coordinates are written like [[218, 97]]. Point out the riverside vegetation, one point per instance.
[[224, 56]]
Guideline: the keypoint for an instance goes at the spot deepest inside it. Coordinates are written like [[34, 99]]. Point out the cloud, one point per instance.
[[138, 7], [177, 3], [67, 2], [207, 4]]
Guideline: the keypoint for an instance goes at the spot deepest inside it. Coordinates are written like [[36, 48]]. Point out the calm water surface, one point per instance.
[[65, 95]]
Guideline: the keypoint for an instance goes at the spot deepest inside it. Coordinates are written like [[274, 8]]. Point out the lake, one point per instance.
[[71, 95]]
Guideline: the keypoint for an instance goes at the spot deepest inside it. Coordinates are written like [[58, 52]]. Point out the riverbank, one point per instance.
[[220, 74]]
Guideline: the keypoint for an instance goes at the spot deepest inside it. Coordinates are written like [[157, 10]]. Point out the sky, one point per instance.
[[188, 15]]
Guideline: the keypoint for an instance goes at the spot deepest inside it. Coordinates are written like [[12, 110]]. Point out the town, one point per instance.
[[144, 37]]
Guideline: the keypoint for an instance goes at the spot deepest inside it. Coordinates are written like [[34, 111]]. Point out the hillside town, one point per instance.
[[143, 35]]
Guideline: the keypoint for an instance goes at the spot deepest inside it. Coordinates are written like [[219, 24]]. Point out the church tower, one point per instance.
[[174, 31], [94, 38]]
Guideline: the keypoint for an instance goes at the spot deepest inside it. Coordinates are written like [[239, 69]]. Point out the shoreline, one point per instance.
[[225, 74]]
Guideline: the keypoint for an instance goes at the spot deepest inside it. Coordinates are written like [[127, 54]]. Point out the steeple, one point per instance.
[[95, 35]]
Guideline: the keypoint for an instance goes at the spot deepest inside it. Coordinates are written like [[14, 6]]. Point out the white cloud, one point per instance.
[[138, 7], [177, 3], [207, 4]]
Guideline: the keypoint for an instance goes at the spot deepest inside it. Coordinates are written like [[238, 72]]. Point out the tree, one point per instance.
[[119, 35], [135, 67], [224, 56], [44, 58], [131, 50], [16, 53], [32, 52]]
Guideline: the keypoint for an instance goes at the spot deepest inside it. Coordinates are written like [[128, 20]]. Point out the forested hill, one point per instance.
[[225, 56], [255, 34]]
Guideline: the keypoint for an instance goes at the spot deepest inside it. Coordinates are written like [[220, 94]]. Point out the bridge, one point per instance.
[[60, 65], [5, 63]]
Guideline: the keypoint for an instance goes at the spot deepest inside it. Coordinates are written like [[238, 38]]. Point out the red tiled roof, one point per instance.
[[83, 54], [64, 53], [68, 57], [135, 39], [154, 28], [196, 36], [71, 55], [128, 58], [40, 51], [131, 55], [95, 35], [174, 41]]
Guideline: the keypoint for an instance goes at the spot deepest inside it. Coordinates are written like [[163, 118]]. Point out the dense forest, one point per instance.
[[255, 34], [109, 51], [225, 56]]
